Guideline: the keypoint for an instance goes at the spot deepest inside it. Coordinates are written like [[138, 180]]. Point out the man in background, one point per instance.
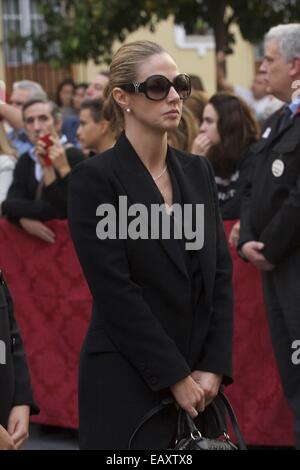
[[270, 214], [94, 90]]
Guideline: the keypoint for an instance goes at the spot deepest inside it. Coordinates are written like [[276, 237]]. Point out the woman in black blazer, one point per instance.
[[16, 401], [162, 314]]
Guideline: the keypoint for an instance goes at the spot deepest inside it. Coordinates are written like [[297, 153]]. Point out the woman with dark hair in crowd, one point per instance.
[[64, 97], [162, 316], [228, 130]]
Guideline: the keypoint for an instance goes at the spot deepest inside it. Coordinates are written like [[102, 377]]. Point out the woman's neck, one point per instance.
[[150, 146]]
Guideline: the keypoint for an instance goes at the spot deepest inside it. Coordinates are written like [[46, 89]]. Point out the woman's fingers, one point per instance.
[[192, 412]]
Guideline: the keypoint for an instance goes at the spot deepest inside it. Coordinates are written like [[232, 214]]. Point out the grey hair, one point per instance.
[[37, 99], [34, 88], [288, 38]]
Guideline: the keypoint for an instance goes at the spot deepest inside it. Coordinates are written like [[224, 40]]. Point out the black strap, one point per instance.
[[234, 422], [166, 402], [170, 401]]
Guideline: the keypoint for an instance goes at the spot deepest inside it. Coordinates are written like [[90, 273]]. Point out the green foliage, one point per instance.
[[80, 30]]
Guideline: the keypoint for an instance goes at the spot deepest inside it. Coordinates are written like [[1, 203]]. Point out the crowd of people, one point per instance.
[[162, 140], [80, 120]]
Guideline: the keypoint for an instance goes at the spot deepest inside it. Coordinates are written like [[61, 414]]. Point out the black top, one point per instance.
[[230, 190], [22, 198]]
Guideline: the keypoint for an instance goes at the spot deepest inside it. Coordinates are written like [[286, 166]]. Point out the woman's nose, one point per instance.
[[173, 95], [203, 127]]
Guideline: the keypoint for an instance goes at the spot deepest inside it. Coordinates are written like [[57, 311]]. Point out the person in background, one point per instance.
[[270, 215], [229, 129], [94, 90], [16, 399], [263, 103], [94, 132], [225, 86], [196, 103], [8, 160], [64, 97], [197, 83], [96, 87], [11, 113], [39, 188], [79, 96]]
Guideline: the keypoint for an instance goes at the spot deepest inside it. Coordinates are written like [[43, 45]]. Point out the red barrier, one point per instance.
[[53, 304]]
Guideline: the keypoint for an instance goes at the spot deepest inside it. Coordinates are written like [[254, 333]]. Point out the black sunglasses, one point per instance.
[[157, 87]]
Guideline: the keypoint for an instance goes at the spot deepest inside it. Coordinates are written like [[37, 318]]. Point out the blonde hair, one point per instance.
[[123, 70], [196, 102], [184, 135], [5, 147]]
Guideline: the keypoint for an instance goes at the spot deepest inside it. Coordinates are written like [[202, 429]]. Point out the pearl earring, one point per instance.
[[128, 110]]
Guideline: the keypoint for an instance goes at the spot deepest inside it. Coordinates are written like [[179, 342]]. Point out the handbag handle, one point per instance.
[[184, 418], [165, 402], [234, 421], [170, 401]]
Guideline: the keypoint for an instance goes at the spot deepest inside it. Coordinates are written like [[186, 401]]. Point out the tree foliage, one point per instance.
[[77, 30]]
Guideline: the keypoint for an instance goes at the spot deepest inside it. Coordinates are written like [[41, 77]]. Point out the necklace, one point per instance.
[[157, 177]]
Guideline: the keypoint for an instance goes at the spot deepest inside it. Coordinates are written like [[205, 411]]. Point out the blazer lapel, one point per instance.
[[275, 134], [194, 191], [140, 188]]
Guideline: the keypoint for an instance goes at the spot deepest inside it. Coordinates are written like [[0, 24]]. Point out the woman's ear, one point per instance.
[[121, 97]]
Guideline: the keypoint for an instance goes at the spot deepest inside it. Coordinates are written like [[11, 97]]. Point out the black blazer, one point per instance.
[[21, 197], [141, 288], [270, 209], [15, 387]]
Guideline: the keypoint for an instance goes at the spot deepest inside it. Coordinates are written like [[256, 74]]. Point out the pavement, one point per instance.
[[51, 438]]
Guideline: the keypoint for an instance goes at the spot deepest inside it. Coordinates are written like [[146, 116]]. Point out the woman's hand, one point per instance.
[[201, 145], [6, 441], [37, 229], [209, 383], [189, 396], [18, 424]]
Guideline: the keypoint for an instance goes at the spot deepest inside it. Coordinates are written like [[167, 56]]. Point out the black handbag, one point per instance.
[[189, 437]]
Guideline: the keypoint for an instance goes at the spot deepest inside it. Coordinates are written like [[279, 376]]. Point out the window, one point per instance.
[[21, 17], [200, 41]]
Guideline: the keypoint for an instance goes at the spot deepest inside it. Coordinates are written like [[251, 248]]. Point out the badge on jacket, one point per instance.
[[267, 133], [277, 168]]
